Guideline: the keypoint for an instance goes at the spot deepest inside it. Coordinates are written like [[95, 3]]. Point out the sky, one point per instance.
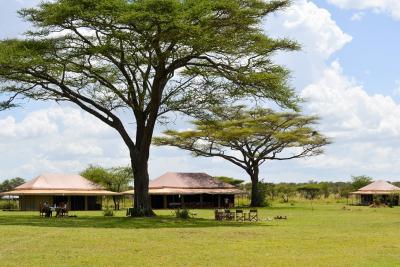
[[347, 71]]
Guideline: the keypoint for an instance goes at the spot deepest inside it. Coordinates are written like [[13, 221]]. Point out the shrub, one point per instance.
[[183, 214], [108, 213], [137, 212], [8, 206]]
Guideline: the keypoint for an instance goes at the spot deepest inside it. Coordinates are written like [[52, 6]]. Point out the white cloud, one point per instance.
[[316, 31], [396, 90], [357, 16], [365, 128], [391, 7], [57, 139]]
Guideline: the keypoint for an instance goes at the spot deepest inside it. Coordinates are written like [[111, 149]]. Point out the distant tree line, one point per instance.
[[309, 190]]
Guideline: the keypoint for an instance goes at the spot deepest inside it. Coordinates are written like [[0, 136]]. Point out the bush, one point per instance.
[[8, 206], [108, 213], [137, 212], [183, 214]]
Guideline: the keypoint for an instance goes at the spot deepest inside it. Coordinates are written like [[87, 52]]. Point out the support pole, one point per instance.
[[86, 203], [165, 202]]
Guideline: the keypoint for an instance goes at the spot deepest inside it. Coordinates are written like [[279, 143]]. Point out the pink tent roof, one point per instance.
[[188, 180], [59, 182], [188, 183], [377, 187]]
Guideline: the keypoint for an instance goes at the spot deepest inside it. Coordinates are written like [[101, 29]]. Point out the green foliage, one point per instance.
[[230, 180], [137, 212], [114, 179], [11, 184], [6, 105], [182, 214], [324, 189], [265, 192], [285, 191], [360, 181], [310, 191], [108, 213], [8, 205]]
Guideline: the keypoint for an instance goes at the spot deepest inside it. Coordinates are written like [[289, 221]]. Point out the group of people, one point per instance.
[[60, 209]]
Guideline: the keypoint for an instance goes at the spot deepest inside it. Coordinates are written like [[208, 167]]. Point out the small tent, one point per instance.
[[381, 191]]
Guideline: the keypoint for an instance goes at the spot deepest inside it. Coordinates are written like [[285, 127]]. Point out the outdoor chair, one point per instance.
[[239, 215], [229, 216], [219, 215], [253, 215], [42, 211], [64, 212]]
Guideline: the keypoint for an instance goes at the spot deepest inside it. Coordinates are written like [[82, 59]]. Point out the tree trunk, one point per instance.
[[115, 202], [141, 184], [140, 151], [255, 193], [256, 199]]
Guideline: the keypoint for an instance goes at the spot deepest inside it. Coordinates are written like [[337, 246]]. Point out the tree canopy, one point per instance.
[[145, 58], [116, 179], [360, 181], [230, 180], [11, 184], [249, 137]]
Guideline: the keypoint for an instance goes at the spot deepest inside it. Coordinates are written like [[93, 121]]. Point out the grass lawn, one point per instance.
[[325, 236]]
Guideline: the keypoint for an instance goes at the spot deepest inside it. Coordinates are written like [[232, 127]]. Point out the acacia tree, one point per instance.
[[310, 191], [11, 184], [248, 138], [286, 191], [139, 59], [115, 179], [360, 181]]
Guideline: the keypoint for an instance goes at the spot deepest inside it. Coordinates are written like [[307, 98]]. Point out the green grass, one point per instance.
[[326, 236]]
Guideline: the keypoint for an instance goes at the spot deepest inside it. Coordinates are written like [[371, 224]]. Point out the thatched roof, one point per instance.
[[376, 188], [59, 184], [179, 183]]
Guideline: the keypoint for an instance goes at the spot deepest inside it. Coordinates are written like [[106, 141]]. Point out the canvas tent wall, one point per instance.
[[78, 192]]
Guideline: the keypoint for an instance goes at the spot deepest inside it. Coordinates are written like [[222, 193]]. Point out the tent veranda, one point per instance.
[[78, 192]]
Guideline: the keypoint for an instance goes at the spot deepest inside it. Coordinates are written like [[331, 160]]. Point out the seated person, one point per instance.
[[47, 210], [64, 208]]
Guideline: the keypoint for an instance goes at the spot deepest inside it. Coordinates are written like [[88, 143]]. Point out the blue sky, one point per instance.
[[348, 71], [372, 56]]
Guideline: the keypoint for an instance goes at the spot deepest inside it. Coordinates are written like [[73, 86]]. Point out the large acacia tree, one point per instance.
[[139, 59], [248, 138]]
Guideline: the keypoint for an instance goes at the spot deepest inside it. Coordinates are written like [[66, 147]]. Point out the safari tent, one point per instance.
[[381, 191], [78, 192], [190, 190]]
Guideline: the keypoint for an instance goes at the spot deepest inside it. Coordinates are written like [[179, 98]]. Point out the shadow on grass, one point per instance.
[[121, 222]]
